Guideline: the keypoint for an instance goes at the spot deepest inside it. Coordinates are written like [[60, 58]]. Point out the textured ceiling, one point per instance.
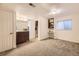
[[43, 9]]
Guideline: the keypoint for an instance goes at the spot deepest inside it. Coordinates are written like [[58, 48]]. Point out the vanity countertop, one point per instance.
[[21, 31]]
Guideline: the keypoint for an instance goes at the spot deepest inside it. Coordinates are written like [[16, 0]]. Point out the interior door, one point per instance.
[[6, 32]]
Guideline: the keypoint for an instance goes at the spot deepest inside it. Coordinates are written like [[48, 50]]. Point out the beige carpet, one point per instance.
[[47, 48]]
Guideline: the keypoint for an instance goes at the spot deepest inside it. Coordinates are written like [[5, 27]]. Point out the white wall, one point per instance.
[[31, 24], [42, 28], [69, 35]]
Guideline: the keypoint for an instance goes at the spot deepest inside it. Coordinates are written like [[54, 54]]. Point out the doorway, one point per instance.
[[36, 29]]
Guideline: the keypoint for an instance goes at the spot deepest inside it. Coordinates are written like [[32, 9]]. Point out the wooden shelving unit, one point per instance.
[[51, 28]]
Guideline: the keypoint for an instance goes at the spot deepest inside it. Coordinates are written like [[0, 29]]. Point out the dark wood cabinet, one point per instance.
[[22, 37]]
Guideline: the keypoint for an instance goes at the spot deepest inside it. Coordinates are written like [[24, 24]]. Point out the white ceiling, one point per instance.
[[43, 9]]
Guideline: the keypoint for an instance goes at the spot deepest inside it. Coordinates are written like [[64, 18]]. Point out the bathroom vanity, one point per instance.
[[22, 36]]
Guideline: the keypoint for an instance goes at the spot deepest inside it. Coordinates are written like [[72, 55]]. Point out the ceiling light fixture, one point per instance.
[[54, 11]]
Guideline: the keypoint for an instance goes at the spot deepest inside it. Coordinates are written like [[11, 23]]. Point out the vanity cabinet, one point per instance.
[[22, 37]]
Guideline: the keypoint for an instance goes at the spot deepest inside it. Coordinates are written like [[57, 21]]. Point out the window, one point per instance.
[[67, 24], [60, 25], [64, 25]]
